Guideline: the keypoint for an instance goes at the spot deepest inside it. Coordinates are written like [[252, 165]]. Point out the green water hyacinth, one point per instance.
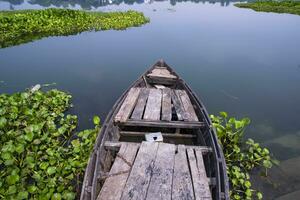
[[17, 27], [41, 154], [291, 7], [241, 156]]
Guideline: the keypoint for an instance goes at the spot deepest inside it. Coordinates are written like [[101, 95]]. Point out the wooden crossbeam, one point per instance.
[[172, 124], [168, 135]]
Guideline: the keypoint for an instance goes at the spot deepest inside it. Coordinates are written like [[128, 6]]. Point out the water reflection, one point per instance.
[[89, 4]]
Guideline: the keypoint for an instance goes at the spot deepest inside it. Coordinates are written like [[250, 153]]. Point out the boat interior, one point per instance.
[[156, 144]]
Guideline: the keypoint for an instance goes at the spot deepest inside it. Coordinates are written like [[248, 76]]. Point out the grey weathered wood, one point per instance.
[[203, 177], [115, 146], [182, 181], [161, 72], [127, 105], [166, 108], [114, 184], [172, 124], [187, 105], [199, 189], [141, 172], [160, 186], [140, 105], [153, 107], [168, 135], [178, 106]]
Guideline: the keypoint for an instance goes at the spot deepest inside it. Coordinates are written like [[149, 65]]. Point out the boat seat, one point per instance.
[[155, 107], [161, 75]]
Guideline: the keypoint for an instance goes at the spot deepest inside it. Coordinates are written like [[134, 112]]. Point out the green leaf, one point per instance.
[[20, 148], [44, 165], [32, 189], [22, 195], [3, 122], [12, 179], [12, 189], [29, 136], [224, 114], [259, 195], [248, 193], [56, 196], [247, 184], [75, 143], [51, 170], [96, 120], [267, 164]]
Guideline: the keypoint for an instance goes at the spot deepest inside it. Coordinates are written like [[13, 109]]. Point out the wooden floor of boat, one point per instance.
[[153, 170], [157, 107]]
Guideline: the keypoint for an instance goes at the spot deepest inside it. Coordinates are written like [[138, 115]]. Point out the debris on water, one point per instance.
[[154, 10], [229, 95], [35, 88], [171, 10], [48, 84]]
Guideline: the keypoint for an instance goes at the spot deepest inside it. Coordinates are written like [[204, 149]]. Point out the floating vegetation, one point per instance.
[[292, 7], [241, 156], [17, 27], [41, 157]]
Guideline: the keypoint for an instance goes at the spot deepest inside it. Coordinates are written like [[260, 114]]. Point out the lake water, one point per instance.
[[240, 61]]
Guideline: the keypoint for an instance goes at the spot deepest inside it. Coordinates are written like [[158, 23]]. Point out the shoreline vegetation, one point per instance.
[[290, 7], [17, 27], [42, 155], [242, 156]]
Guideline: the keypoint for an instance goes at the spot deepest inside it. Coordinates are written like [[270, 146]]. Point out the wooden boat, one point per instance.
[[188, 164]]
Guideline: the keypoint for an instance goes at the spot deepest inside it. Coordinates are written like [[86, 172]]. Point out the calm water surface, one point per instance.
[[236, 60]]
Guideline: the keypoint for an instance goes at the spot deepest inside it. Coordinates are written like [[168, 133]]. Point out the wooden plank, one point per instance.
[[161, 72], [169, 135], [140, 105], [182, 181], [178, 106], [160, 186], [166, 108], [141, 172], [114, 184], [199, 189], [172, 124], [115, 146], [203, 177], [152, 110], [187, 105], [127, 105]]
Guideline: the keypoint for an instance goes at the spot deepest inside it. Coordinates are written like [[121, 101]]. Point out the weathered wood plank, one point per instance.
[[127, 105], [169, 135], [182, 181], [178, 106], [115, 146], [203, 177], [166, 108], [140, 105], [161, 72], [187, 105], [172, 124], [141, 172], [114, 184], [152, 110], [199, 189], [160, 186]]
